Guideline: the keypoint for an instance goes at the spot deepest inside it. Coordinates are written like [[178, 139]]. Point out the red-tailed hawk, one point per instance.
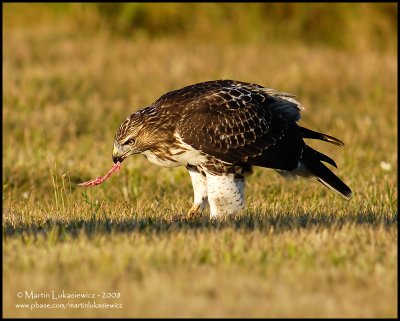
[[218, 130]]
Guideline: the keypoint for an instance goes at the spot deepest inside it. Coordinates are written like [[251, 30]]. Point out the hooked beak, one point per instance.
[[117, 159], [118, 154]]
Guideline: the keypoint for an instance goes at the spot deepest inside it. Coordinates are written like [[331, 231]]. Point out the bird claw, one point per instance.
[[194, 212]]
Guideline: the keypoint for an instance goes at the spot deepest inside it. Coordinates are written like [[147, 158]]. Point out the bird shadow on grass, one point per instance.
[[247, 222]]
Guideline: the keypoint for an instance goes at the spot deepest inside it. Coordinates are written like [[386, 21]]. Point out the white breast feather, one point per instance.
[[190, 156]]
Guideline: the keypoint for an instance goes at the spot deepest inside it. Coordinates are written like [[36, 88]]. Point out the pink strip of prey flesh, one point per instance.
[[101, 179]]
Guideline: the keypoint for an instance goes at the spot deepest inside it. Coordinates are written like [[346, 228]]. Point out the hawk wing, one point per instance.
[[239, 123]]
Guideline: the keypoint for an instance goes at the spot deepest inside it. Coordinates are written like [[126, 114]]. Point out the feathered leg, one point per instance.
[[225, 194], [199, 182]]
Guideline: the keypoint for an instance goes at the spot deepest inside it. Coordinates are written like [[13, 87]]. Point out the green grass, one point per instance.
[[299, 250]]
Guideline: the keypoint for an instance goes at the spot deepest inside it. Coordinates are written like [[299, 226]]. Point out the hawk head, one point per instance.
[[130, 137], [135, 135], [126, 138]]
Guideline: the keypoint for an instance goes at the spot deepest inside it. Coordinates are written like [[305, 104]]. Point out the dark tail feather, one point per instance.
[[308, 133], [313, 163], [312, 153]]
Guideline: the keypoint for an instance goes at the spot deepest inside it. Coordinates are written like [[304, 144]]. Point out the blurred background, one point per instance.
[[345, 26], [73, 72]]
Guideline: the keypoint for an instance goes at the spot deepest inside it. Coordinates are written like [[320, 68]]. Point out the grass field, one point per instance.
[[299, 250]]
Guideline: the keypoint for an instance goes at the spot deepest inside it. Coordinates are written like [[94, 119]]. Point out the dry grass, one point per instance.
[[299, 250]]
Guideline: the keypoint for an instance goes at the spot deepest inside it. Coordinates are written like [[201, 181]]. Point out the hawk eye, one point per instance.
[[130, 141]]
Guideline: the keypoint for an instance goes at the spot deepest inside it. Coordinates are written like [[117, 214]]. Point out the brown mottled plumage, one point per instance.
[[219, 130]]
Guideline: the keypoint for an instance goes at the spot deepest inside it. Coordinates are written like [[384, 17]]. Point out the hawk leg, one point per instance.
[[199, 182], [225, 194]]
